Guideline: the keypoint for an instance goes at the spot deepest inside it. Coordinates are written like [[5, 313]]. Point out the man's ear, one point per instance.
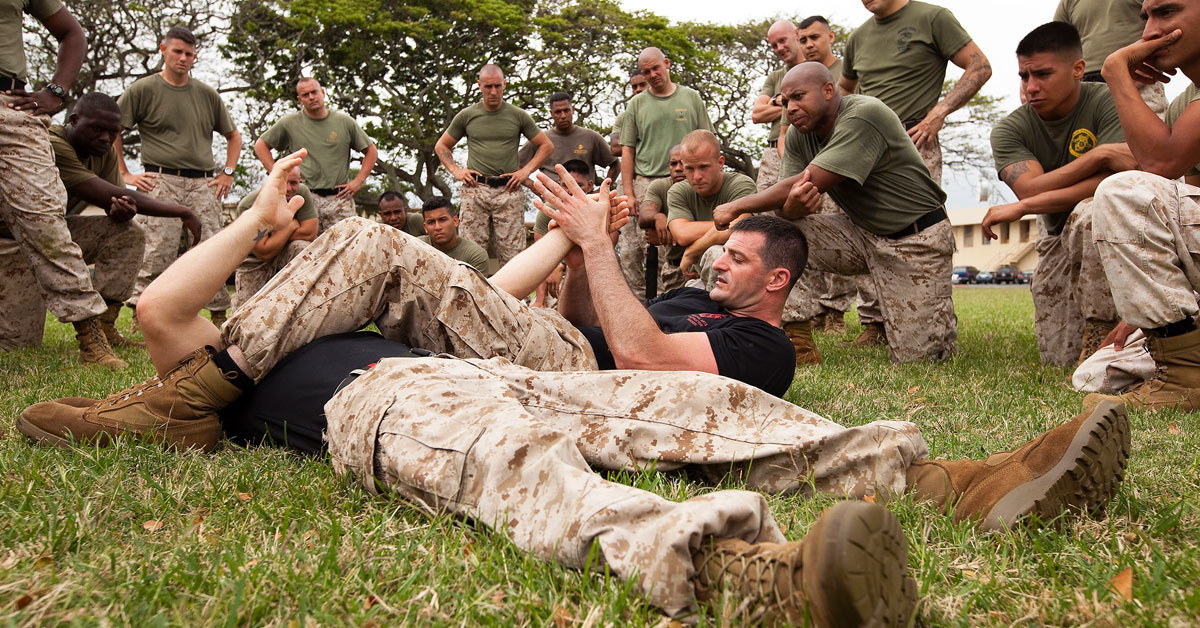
[[778, 279]]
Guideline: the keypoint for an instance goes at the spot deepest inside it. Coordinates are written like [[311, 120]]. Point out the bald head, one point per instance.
[[490, 70], [784, 39], [812, 101], [657, 69], [808, 74]]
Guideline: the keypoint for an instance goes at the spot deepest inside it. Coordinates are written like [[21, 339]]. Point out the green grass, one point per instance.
[[267, 537]]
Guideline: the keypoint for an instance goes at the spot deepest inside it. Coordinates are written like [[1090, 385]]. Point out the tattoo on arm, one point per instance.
[[1011, 173], [262, 233], [969, 83]]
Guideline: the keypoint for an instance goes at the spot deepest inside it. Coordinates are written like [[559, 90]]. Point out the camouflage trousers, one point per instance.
[[495, 216], [1155, 97], [331, 209], [362, 271], [833, 292], [768, 169], [631, 252], [1068, 288], [514, 449], [33, 203], [253, 273], [163, 235], [1147, 230], [114, 247], [911, 275]]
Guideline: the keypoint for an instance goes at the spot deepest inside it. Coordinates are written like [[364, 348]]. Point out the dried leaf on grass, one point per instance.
[[1122, 584], [152, 525]]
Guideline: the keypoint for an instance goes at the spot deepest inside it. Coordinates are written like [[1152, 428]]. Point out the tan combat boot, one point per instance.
[[801, 335], [835, 322], [872, 335], [1077, 466], [851, 569], [178, 409], [1094, 333], [1176, 381], [94, 347], [108, 324], [218, 317]]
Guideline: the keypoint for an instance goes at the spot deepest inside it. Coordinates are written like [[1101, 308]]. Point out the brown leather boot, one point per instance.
[[835, 322], [851, 569], [801, 335], [108, 324], [872, 335], [94, 347], [1094, 332], [1077, 466], [218, 317], [179, 409], [1176, 381]]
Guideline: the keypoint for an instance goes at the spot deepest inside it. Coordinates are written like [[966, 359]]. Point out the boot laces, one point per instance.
[[752, 574]]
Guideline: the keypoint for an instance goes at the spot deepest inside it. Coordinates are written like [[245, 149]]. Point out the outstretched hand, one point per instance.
[[272, 209], [583, 218]]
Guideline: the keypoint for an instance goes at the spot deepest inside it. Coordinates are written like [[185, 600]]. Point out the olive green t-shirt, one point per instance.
[[492, 136], [615, 136], [308, 211], [887, 185], [581, 143], [1104, 26], [1175, 109], [773, 85], [73, 170], [414, 224], [12, 45], [1023, 135], [684, 202], [176, 123], [652, 125], [901, 59], [656, 193], [328, 141], [465, 251]]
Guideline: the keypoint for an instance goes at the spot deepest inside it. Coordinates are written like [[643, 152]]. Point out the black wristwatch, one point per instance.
[[773, 100], [57, 90]]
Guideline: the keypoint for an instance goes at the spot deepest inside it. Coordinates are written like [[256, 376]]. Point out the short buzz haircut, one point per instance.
[[578, 166], [392, 194], [439, 202], [1057, 37], [95, 102], [182, 34], [784, 245], [698, 138], [559, 97], [813, 19], [305, 79]]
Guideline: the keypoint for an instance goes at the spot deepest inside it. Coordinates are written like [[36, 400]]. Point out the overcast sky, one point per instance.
[[996, 27]]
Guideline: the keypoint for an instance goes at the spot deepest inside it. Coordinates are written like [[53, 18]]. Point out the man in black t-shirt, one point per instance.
[[506, 434]]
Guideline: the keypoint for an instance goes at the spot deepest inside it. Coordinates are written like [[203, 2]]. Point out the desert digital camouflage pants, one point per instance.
[[115, 248], [331, 209], [163, 234], [492, 215], [1155, 97], [1068, 288], [510, 441], [33, 204], [911, 275], [832, 291], [1147, 230], [768, 169], [631, 245], [253, 273]]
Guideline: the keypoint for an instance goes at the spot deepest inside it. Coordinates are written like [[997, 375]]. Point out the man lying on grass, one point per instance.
[[508, 432]]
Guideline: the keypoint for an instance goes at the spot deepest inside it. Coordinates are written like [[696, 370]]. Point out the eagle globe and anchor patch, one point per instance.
[[1082, 140]]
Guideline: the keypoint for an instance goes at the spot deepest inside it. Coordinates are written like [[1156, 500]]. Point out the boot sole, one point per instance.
[[1085, 478], [856, 568], [203, 435]]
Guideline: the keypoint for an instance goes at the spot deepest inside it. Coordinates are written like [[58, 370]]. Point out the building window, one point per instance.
[[1004, 232], [1025, 224], [968, 235]]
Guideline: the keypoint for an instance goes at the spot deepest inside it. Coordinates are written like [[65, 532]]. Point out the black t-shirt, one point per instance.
[[288, 406], [747, 349]]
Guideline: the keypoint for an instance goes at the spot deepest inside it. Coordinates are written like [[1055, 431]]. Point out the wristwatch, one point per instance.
[[57, 90], [774, 100], [227, 170]]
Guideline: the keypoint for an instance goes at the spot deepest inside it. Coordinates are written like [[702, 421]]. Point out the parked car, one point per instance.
[[964, 274], [1025, 276], [1006, 274], [985, 276]]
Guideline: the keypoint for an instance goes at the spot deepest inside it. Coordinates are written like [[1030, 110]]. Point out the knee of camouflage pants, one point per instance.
[[1147, 232], [1088, 283], [24, 314]]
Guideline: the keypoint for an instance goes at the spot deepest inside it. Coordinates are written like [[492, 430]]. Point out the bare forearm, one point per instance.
[[688, 231], [1063, 199], [709, 239], [72, 48], [1070, 174], [368, 164], [977, 72], [270, 246], [617, 309], [233, 149], [446, 155], [522, 274], [575, 299], [627, 157], [1148, 137], [262, 150]]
